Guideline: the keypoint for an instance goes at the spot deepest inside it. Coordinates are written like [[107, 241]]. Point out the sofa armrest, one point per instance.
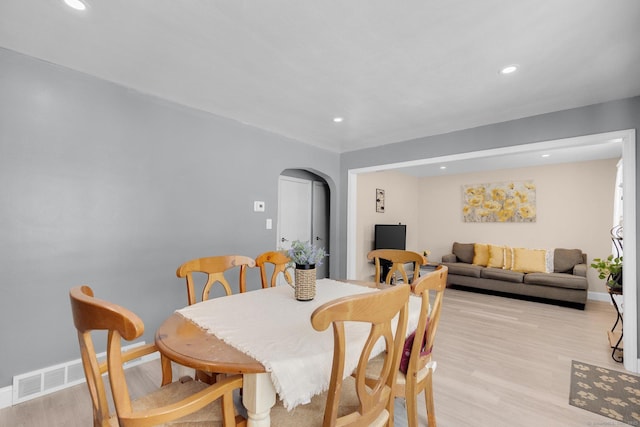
[[449, 258], [580, 270]]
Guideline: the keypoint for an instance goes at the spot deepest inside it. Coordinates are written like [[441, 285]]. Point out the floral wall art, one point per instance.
[[513, 201]]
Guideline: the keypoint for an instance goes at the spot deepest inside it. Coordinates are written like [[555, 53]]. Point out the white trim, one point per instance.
[[629, 280], [6, 393], [8, 398], [631, 359], [598, 296], [352, 193], [577, 141]]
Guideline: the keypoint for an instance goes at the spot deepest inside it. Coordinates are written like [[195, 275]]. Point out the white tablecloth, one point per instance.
[[274, 328]]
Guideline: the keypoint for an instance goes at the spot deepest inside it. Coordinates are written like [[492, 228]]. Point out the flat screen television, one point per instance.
[[390, 236]]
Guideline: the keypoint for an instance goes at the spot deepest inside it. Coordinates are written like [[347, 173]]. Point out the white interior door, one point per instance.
[[294, 211], [320, 220]]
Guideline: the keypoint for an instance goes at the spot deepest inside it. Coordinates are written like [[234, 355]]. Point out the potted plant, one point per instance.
[[610, 269], [305, 256]]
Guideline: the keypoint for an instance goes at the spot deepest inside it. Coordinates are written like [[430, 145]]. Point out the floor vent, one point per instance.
[[44, 381]]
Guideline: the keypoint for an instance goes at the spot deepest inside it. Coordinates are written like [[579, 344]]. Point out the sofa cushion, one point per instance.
[[463, 269], [565, 259], [408, 346], [496, 256], [580, 270], [529, 260], [481, 254], [449, 258], [463, 251], [550, 256], [501, 274], [508, 258], [556, 280]]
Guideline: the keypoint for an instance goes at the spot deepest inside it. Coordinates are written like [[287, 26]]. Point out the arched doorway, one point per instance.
[[303, 211]]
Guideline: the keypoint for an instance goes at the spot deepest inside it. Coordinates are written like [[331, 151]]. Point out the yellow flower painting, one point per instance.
[[513, 201]]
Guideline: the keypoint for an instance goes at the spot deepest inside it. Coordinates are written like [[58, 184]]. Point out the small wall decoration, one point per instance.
[[513, 201], [379, 200]]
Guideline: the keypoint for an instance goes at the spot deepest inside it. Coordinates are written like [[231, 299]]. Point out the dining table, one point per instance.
[[266, 335]]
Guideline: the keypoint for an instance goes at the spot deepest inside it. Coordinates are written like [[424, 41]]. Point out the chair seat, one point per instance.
[[422, 373], [210, 415], [312, 414]]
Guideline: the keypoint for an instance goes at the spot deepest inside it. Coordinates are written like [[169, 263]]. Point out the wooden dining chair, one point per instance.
[[279, 260], [416, 363], [356, 401], [398, 258], [190, 403], [420, 365], [214, 267]]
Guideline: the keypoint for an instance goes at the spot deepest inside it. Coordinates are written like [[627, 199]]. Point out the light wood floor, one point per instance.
[[501, 362]]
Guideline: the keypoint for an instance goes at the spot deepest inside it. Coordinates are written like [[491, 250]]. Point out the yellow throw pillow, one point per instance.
[[480, 254], [508, 258], [496, 256], [529, 260]]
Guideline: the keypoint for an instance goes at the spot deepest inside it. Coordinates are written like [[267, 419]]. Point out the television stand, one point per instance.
[[385, 266]]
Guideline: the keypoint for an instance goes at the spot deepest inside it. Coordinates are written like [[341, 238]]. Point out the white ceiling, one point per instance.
[[393, 70], [579, 149]]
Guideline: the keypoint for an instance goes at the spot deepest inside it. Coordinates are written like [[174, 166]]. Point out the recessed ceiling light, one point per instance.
[[338, 119], [509, 69], [546, 155], [76, 4], [443, 167]]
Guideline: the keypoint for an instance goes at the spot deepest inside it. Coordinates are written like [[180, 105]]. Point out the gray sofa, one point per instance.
[[567, 284]]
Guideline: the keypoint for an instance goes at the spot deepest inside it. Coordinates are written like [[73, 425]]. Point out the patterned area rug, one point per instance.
[[610, 393]]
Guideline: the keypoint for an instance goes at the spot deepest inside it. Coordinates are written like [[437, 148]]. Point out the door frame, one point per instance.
[[321, 186]]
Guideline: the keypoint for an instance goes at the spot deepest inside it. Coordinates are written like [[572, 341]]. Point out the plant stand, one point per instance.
[[615, 337]]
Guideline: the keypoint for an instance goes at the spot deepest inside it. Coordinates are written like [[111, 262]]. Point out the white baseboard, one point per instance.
[[6, 396], [598, 296]]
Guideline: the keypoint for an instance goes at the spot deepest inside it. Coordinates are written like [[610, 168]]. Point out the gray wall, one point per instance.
[[599, 118], [104, 186]]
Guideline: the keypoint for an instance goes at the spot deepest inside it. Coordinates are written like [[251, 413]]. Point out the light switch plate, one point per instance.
[[258, 206]]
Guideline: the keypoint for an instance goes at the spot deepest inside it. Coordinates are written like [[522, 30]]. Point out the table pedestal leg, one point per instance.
[[180, 371], [258, 396]]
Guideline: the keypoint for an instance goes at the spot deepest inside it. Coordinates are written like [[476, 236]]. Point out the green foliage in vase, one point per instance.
[[610, 269], [304, 253]]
